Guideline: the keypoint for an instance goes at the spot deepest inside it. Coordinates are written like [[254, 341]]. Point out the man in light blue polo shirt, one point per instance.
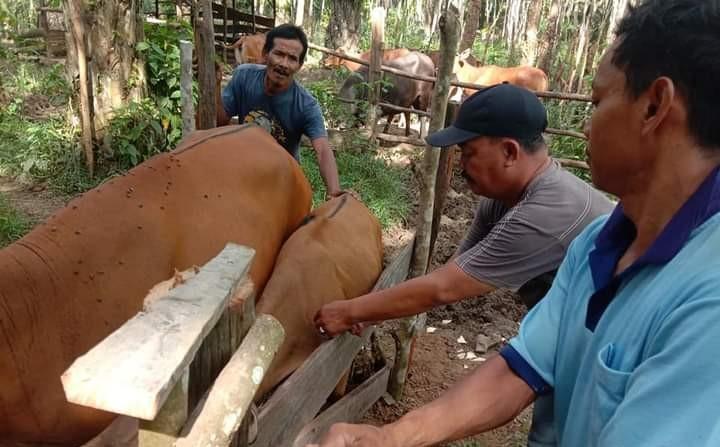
[[625, 347]]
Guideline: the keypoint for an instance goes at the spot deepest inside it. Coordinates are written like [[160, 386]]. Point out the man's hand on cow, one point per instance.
[[334, 318], [351, 435]]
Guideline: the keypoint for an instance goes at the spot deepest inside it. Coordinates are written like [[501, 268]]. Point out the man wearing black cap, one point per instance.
[[530, 211]]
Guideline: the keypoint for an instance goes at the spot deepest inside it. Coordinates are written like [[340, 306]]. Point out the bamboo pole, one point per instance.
[[375, 74]]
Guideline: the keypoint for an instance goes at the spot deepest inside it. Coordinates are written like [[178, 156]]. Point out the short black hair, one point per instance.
[[532, 144], [286, 31], [679, 39]]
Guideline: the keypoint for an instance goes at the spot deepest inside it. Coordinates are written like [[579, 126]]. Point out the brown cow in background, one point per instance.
[[249, 49], [73, 280], [486, 75], [402, 91], [388, 55]]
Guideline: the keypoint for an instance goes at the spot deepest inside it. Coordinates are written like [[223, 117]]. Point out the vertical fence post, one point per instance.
[[405, 336], [374, 73], [188, 109]]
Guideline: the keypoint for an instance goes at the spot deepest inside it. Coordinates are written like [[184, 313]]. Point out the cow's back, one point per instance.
[[406, 92], [83, 273], [336, 255]]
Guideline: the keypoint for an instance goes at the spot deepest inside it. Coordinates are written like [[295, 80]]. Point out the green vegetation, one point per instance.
[[382, 187], [13, 225]]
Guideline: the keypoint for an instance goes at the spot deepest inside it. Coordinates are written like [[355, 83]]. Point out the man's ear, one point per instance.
[[659, 98], [511, 151]]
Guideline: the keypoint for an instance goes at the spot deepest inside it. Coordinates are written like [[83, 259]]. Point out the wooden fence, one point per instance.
[[160, 367]]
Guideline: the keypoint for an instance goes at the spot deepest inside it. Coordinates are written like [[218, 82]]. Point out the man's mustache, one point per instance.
[[465, 175]]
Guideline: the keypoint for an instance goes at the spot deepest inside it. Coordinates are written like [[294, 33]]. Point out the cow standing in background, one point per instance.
[[401, 91], [531, 78], [248, 49]]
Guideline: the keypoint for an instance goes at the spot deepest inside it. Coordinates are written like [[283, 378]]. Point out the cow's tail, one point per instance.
[[312, 216], [343, 201]]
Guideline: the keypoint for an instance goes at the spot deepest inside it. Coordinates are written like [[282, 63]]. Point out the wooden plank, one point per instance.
[[296, 402], [234, 14], [235, 387], [298, 399], [157, 344], [242, 29], [397, 271], [348, 409], [162, 431]]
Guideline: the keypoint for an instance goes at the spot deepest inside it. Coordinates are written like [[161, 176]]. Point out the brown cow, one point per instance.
[[402, 91], [76, 278], [249, 49], [524, 76], [388, 55], [336, 255]]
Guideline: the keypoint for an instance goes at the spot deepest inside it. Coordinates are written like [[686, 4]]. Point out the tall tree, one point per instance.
[[102, 52], [343, 29], [618, 11], [548, 41], [472, 20], [530, 49]]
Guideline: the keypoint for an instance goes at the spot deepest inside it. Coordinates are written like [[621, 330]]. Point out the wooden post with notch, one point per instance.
[[374, 73], [404, 338]]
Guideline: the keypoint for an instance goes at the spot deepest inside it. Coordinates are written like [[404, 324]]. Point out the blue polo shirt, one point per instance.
[[287, 115], [633, 359]]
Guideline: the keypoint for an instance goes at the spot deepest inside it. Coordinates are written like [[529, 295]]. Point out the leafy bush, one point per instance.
[[136, 133], [161, 49]]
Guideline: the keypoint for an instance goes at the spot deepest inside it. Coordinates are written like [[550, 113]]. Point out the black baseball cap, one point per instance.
[[503, 110]]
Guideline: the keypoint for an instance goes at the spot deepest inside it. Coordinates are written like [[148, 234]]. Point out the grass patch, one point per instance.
[[381, 186], [13, 225]]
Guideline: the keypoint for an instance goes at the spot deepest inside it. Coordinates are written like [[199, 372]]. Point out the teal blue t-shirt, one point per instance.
[[289, 114], [630, 359]]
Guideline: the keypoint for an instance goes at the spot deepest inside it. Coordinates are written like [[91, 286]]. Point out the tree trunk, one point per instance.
[[205, 46], [75, 19], [299, 12], [472, 21], [549, 37], [581, 47], [344, 26], [117, 69], [531, 32], [618, 11]]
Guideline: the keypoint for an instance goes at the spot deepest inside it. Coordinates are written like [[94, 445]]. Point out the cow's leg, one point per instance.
[[387, 124], [407, 124]]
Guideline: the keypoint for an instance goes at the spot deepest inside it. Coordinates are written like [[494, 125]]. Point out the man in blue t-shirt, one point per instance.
[[268, 95], [624, 348]]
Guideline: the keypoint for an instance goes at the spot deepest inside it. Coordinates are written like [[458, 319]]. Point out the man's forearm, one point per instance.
[[485, 399], [328, 170], [409, 298], [445, 285]]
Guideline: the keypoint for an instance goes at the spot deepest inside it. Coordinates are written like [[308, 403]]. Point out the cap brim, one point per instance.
[[450, 136]]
